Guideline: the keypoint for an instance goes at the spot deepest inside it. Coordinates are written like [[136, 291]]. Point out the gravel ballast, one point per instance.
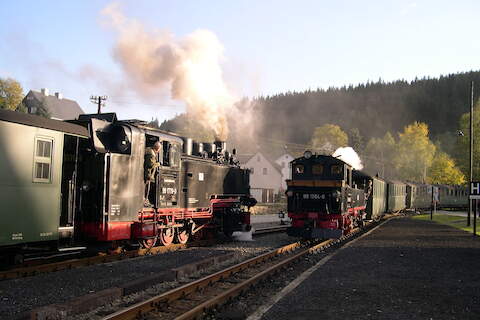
[[21, 295], [406, 269]]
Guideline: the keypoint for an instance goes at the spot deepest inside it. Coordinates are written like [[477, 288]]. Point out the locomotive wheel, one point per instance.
[[182, 236], [15, 258], [166, 236], [148, 243]]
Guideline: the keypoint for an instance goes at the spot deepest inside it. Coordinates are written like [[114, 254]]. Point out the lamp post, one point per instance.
[[471, 154]]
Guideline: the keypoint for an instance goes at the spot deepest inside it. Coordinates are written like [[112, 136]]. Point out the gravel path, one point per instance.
[[20, 295], [406, 269]]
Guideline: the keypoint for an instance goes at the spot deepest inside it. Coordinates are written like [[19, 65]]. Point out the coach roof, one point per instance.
[[41, 122]]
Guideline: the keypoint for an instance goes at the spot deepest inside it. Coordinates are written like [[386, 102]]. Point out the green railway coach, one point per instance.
[[377, 204], [376, 190], [396, 196], [38, 162]]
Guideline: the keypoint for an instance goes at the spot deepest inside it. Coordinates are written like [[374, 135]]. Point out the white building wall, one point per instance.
[[284, 162], [264, 176]]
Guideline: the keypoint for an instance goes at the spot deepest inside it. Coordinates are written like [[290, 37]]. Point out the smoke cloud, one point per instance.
[[349, 155], [188, 69]]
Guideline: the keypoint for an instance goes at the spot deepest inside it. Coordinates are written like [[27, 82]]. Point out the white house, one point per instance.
[[283, 162], [265, 176]]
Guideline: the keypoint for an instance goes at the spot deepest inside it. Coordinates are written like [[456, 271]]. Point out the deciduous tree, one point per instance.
[[11, 94], [444, 171], [414, 153], [462, 152], [328, 138], [356, 140], [379, 154]]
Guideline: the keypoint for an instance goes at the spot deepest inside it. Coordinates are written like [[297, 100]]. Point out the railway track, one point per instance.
[[27, 271], [261, 231], [192, 300]]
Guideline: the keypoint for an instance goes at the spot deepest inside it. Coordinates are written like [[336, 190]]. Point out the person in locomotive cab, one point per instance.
[[150, 166]]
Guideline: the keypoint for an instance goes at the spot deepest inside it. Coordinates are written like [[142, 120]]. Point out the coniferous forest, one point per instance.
[[373, 115], [374, 108]]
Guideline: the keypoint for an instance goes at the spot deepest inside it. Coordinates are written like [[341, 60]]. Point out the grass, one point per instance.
[[450, 220]]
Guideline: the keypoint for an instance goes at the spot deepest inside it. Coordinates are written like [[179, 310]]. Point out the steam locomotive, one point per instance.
[[323, 200], [68, 185], [327, 197]]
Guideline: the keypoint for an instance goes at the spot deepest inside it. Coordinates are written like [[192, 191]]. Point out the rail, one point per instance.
[[192, 300], [75, 263], [27, 271]]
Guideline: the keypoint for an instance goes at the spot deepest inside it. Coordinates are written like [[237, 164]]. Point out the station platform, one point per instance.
[[403, 269]]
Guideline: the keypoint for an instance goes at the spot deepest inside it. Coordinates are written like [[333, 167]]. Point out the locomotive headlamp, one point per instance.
[[307, 154], [86, 186], [336, 194]]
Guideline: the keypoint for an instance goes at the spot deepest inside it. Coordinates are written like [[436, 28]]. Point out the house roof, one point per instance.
[[244, 158], [282, 156], [64, 109]]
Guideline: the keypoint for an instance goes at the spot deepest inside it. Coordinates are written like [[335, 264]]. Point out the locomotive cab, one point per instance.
[[323, 200]]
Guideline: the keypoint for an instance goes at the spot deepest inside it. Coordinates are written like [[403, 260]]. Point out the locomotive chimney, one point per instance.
[[187, 146], [221, 146], [197, 148], [210, 148]]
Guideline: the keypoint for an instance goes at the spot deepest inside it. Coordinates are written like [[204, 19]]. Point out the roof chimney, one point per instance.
[[58, 95], [44, 91]]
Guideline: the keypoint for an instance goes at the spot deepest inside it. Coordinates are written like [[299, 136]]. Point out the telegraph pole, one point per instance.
[[99, 101], [471, 152]]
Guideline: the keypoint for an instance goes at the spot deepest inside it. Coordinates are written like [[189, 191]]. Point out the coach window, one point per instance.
[[43, 160], [317, 169]]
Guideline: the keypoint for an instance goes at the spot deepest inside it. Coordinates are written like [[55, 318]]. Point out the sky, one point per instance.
[[269, 46]]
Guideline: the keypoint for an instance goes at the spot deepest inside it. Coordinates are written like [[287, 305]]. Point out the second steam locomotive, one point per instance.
[[327, 197]]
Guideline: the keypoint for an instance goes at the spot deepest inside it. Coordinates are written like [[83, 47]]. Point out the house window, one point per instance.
[[42, 163], [264, 171], [258, 158]]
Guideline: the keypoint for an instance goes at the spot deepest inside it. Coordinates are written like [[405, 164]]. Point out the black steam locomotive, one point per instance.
[[327, 197], [324, 200], [67, 184]]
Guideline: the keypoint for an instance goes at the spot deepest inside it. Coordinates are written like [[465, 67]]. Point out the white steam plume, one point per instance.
[[189, 69], [349, 155]]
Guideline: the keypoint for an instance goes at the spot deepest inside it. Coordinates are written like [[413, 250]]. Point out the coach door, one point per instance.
[[69, 185]]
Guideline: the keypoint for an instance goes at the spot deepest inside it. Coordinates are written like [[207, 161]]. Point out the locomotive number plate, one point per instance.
[[313, 196]]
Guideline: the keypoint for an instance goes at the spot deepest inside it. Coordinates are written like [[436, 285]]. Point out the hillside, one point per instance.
[[374, 108]]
